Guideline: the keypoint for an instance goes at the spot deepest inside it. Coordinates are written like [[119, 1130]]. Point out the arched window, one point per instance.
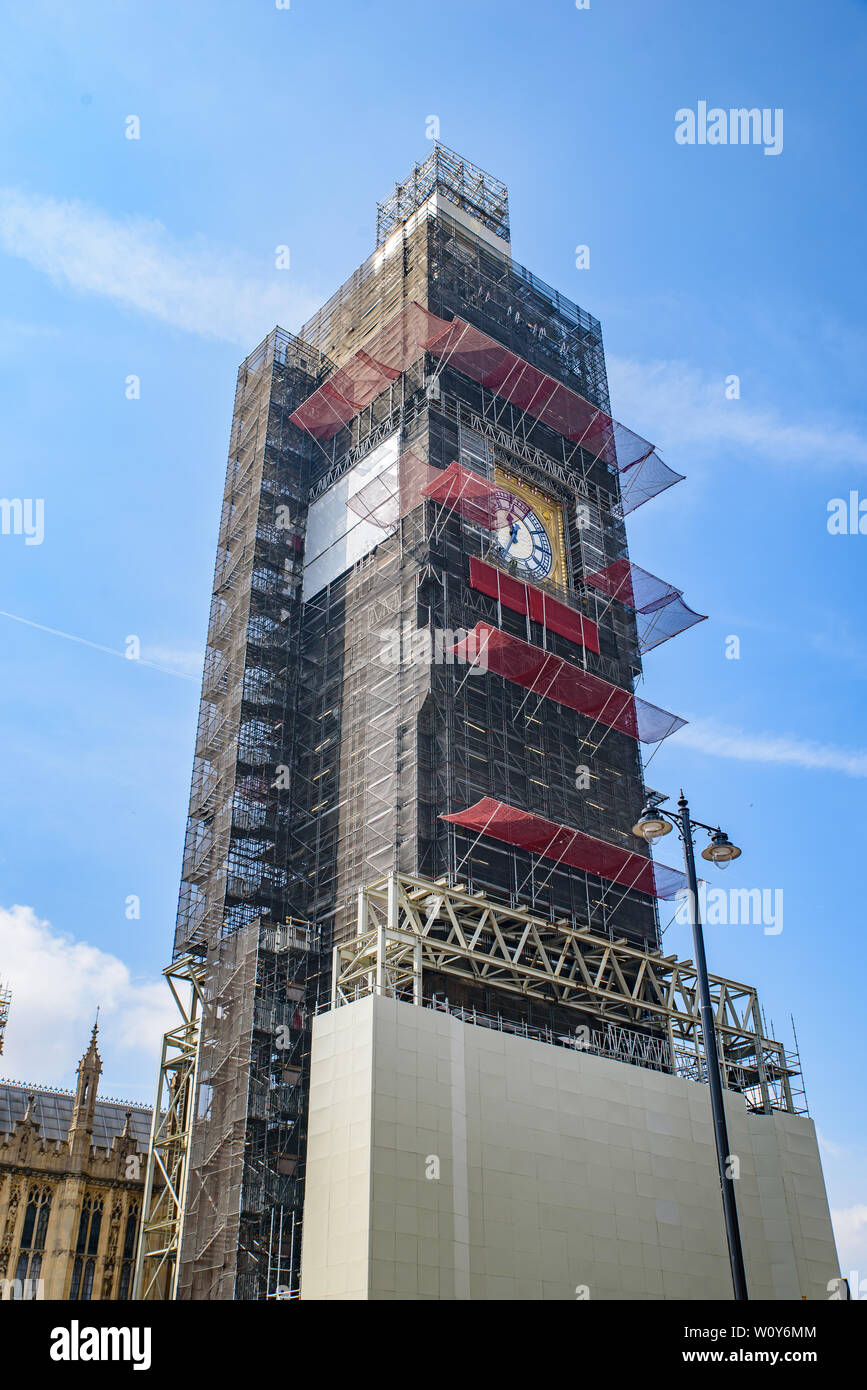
[[86, 1248], [128, 1254], [29, 1264]]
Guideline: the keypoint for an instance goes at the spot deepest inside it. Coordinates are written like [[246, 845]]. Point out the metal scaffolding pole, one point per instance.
[[167, 1173]]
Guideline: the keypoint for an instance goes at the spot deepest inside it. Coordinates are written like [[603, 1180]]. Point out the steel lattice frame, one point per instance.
[[167, 1173], [408, 925]]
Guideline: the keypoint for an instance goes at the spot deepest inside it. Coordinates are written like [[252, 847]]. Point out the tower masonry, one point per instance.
[[440, 1052]]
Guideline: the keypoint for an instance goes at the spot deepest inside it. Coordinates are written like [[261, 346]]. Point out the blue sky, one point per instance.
[[156, 258]]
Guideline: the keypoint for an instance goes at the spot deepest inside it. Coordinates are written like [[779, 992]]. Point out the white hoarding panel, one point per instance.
[[336, 536]]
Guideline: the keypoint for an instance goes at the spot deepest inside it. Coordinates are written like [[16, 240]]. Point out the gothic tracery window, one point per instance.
[[86, 1248], [32, 1244], [128, 1255]]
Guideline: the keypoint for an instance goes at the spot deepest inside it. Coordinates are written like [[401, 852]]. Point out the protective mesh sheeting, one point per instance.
[[541, 607], [655, 628], [573, 847], [555, 679], [379, 500], [635, 587], [393, 492], [388, 353], [510, 376], [660, 610], [410, 481], [211, 1236], [645, 479], [415, 330], [473, 497]]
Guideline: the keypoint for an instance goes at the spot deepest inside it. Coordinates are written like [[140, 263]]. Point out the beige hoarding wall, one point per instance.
[[448, 1161]]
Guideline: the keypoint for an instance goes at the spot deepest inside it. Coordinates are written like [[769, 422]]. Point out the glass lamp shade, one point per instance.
[[651, 826], [720, 851]]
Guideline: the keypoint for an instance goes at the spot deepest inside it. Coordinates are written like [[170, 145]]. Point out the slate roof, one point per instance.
[[53, 1112]]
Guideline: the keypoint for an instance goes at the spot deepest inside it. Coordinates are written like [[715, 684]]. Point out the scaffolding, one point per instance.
[[414, 330], [440, 263], [392, 730], [424, 942], [464, 184], [343, 731], [446, 415], [241, 1220], [242, 1230], [357, 782], [566, 683], [164, 1200], [231, 871]]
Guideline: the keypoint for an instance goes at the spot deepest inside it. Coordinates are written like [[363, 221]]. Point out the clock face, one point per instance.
[[521, 537]]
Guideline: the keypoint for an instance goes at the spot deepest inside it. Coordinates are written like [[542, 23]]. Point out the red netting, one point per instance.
[[659, 606], [415, 330], [388, 353], [541, 607], [633, 586], [409, 481], [477, 500], [556, 679], [571, 847], [494, 366]]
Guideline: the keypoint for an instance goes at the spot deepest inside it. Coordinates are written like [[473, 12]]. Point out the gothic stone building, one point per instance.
[[71, 1181]]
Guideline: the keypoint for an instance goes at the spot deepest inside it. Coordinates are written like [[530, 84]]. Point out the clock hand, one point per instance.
[[513, 536]]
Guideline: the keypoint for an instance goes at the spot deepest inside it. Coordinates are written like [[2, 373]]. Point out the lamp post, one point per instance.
[[654, 822]]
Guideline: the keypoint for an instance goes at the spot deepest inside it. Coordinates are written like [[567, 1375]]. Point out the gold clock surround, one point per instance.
[[550, 513]]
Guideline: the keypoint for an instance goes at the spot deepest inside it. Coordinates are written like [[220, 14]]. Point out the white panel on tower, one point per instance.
[[337, 537]]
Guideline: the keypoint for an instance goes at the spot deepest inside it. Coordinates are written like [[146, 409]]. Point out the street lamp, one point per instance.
[[653, 823]]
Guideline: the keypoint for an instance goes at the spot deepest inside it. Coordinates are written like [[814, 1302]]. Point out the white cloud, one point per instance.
[[57, 983], [16, 336], [681, 407], [707, 736], [135, 262], [829, 1148]]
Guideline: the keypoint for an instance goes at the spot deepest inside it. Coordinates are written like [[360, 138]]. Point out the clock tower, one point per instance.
[[322, 767], [434, 455]]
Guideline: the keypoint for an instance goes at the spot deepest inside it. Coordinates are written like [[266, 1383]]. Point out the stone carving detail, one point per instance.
[[15, 1190], [111, 1246]]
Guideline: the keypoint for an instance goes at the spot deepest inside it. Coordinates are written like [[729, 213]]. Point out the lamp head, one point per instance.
[[651, 825], [720, 851]]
